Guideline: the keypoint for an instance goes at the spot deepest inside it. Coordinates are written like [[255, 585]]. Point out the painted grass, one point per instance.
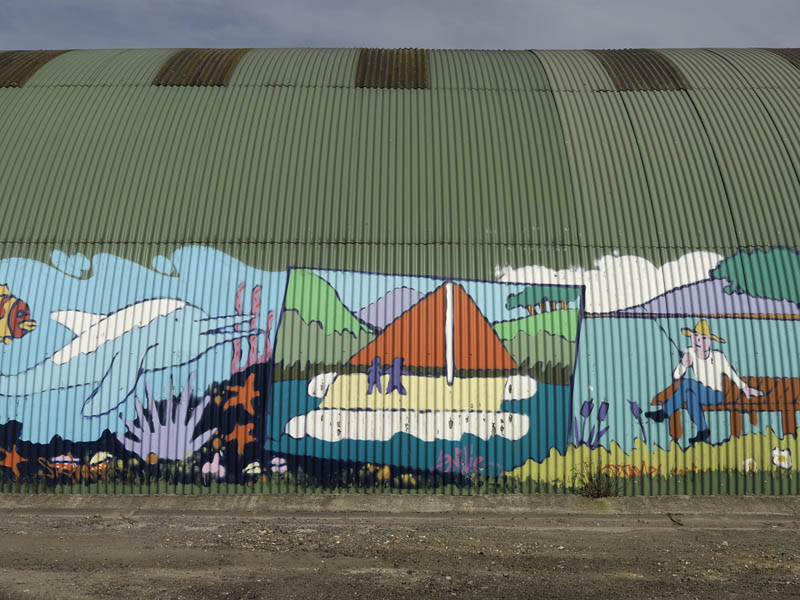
[[729, 457]]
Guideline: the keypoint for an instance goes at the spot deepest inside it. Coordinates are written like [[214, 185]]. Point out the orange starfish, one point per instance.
[[12, 459], [243, 395], [242, 433]]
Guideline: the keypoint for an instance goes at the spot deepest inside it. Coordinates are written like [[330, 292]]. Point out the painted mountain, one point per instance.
[[390, 306], [302, 343], [316, 301], [711, 298], [543, 344], [317, 331]]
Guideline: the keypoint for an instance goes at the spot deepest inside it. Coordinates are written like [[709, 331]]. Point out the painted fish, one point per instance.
[[64, 464], [15, 316], [65, 459]]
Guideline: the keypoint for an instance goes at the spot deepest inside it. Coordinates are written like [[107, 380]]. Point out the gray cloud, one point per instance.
[[413, 23]]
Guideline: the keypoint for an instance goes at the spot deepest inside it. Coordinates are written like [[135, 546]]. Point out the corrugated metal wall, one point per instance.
[[524, 274]]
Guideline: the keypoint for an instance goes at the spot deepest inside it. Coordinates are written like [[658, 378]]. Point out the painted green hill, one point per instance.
[[301, 342], [541, 348], [316, 301], [558, 322]]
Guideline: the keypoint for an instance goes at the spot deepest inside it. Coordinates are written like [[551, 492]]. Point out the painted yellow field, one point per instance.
[[422, 393], [749, 453]]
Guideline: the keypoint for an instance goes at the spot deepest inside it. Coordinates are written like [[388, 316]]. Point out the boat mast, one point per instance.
[[449, 322]]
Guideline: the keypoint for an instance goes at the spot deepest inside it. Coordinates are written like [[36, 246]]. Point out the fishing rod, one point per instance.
[[664, 331]]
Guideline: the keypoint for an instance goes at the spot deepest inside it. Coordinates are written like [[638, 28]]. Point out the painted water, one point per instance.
[[201, 277], [548, 411]]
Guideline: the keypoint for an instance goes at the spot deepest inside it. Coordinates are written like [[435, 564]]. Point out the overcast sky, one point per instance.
[[513, 24]]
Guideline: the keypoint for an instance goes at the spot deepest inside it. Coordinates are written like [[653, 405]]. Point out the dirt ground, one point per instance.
[[292, 547]]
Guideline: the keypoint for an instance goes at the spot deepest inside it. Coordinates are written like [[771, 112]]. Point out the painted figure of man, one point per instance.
[[374, 372], [705, 389], [396, 378]]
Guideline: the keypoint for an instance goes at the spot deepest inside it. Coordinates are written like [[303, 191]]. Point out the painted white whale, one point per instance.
[[111, 352]]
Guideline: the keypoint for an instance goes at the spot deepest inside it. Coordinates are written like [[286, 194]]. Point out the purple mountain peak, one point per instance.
[[709, 297], [389, 306]]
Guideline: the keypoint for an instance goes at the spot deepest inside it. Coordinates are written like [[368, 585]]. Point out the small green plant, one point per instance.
[[593, 483]]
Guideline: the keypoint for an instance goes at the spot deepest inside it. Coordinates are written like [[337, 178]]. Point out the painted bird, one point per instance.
[[15, 316]]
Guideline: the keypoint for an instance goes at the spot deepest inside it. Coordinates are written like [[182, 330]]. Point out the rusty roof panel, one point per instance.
[[200, 67], [641, 70], [397, 69], [16, 66]]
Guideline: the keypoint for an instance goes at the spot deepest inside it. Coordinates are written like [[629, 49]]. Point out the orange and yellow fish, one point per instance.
[[15, 316]]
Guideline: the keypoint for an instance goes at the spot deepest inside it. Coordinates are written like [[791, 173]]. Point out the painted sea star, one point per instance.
[[243, 395], [12, 459]]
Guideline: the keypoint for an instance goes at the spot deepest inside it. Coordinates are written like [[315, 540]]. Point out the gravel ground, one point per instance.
[[589, 550]]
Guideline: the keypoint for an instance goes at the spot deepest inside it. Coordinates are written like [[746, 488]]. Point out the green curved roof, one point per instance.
[[527, 153]]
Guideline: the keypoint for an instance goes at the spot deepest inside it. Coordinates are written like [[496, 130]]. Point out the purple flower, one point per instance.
[[635, 409], [279, 465], [587, 408], [637, 414], [601, 415]]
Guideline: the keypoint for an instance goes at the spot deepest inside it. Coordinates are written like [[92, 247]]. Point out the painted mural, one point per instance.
[[423, 373], [200, 371]]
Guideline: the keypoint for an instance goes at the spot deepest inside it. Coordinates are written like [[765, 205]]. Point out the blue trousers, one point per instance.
[[696, 396]]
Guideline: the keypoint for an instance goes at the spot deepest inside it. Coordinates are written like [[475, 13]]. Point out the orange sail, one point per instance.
[[418, 336]]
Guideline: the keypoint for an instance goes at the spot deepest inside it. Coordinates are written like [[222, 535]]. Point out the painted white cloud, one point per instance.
[[519, 387], [337, 424], [619, 282], [318, 386]]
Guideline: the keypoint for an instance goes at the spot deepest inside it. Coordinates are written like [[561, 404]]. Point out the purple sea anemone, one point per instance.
[[170, 440]]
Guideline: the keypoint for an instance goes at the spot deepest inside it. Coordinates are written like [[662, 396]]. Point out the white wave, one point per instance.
[[337, 424]]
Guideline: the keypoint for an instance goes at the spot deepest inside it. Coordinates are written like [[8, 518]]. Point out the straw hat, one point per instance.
[[703, 329]]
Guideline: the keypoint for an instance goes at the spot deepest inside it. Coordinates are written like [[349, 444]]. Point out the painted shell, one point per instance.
[[100, 458], [782, 458], [749, 465], [254, 468]]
